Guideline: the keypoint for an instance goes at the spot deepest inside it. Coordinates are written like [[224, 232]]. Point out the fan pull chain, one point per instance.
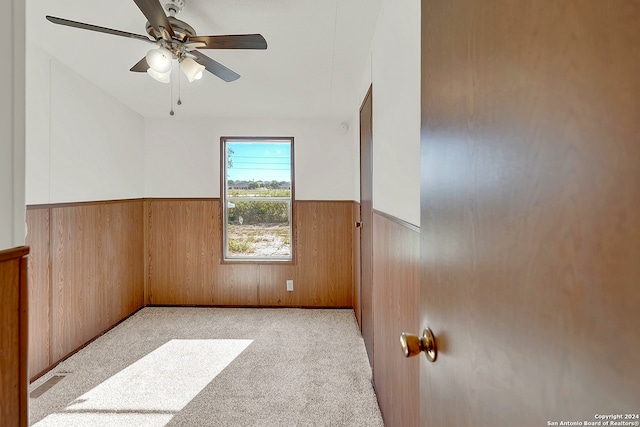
[[179, 79], [171, 113]]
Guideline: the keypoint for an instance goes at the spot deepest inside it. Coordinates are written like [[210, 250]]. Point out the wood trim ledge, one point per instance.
[[84, 203], [14, 253], [397, 220]]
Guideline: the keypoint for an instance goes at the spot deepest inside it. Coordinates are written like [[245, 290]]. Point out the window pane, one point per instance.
[[259, 229], [253, 163], [258, 199]]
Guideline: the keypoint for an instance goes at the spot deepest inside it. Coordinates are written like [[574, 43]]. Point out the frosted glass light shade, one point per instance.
[[159, 59], [191, 69], [161, 77]]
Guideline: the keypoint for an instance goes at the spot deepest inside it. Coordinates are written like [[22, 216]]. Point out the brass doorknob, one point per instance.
[[413, 345]]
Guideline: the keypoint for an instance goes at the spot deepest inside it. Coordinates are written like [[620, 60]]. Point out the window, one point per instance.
[[257, 198]]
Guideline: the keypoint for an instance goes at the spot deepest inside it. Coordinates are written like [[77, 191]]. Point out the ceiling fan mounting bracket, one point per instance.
[[174, 7]]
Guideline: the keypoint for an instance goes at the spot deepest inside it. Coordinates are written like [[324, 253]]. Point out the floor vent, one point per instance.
[[44, 387]]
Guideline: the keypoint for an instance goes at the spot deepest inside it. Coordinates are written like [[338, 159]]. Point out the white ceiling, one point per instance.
[[317, 51]]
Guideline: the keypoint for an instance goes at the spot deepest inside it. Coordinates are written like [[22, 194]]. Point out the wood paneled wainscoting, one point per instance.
[[38, 239], [396, 294], [184, 258], [13, 337], [93, 264], [86, 274]]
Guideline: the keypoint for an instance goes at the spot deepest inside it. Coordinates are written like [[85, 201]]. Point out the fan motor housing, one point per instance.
[[181, 29]]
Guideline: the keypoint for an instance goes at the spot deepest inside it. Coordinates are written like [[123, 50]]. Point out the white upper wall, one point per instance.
[[12, 127], [38, 74], [82, 144], [394, 71], [183, 155]]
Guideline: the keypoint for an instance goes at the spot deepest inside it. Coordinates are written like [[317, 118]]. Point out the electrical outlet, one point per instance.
[[289, 285]]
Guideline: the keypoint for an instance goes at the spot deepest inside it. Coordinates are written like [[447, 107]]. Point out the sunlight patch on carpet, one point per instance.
[[111, 420], [150, 391]]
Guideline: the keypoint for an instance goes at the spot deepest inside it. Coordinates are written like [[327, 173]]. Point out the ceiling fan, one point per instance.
[[176, 40]]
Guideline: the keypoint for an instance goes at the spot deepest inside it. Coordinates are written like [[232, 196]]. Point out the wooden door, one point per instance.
[[366, 219], [530, 211]]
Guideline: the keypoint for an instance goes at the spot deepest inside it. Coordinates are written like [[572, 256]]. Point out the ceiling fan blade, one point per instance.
[[152, 10], [239, 41], [141, 67], [216, 68], [90, 27]]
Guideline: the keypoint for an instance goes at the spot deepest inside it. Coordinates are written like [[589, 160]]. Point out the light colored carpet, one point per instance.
[[216, 367]]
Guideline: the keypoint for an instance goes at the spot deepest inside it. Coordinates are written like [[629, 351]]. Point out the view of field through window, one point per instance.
[[257, 205]]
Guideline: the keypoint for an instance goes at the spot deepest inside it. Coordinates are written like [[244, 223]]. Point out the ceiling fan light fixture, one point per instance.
[[160, 77], [174, 40], [191, 69], [159, 59]]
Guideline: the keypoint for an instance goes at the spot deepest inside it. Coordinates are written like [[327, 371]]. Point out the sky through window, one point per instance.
[[259, 161]]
